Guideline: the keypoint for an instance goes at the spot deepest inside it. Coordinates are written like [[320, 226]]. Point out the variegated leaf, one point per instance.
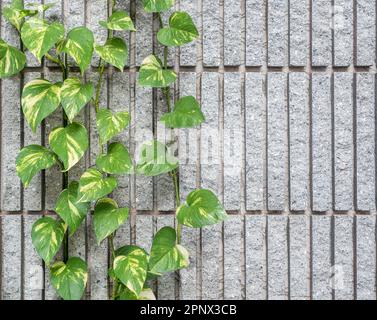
[[39, 36], [152, 74], [69, 143], [157, 5], [12, 60], [119, 20], [31, 160], [40, 98], [75, 95], [16, 13], [47, 235], [116, 161], [109, 125], [114, 51], [79, 44]]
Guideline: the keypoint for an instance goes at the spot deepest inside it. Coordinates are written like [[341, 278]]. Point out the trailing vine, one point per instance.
[[132, 267]]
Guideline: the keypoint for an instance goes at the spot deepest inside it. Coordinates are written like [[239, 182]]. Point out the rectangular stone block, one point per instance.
[[256, 258], [233, 251], [343, 32], [366, 32], [144, 36], [321, 258], [255, 114], [299, 27], [343, 136], [277, 258], [322, 33], [188, 51], [232, 141], [277, 153], [366, 170], [232, 32], [255, 32], [366, 257], [321, 143], [277, 33], [211, 32], [299, 255], [299, 141]]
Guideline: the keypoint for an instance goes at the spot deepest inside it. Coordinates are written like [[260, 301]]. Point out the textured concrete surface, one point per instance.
[[288, 89]]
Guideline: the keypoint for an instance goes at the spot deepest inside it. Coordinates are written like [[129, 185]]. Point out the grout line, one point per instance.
[[354, 254]]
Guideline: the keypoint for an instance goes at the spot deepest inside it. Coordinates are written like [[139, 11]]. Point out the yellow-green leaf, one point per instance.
[[12, 60], [108, 218], [39, 36], [75, 95], [31, 160], [40, 98], [152, 74], [157, 5], [69, 143], [116, 161], [109, 125], [70, 209], [47, 236], [69, 279], [16, 13], [114, 51], [119, 20], [93, 185]]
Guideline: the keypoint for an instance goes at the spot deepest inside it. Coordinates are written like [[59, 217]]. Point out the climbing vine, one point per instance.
[[132, 267]]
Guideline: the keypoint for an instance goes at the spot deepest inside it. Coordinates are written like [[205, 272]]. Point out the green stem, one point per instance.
[[112, 251]]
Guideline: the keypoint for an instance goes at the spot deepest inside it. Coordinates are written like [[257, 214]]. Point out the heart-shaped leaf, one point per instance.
[[186, 114], [47, 235], [16, 13], [114, 51], [202, 208], [31, 160], [40, 98], [110, 125], [39, 36], [145, 294], [69, 279], [155, 159], [181, 30], [166, 255], [94, 186], [130, 267], [157, 5], [12, 60], [119, 20], [69, 209], [75, 95], [116, 161], [108, 218], [79, 44], [69, 143], [152, 74]]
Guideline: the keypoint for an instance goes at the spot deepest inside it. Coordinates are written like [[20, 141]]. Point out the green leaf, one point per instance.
[[79, 45], [202, 208], [41, 7], [130, 267], [110, 125], [69, 209], [155, 159], [157, 5], [108, 218], [114, 51], [12, 60], [39, 36], [69, 143], [116, 161], [166, 255], [75, 95], [186, 114], [69, 279], [145, 294], [31, 160], [16, 13], [119, 20], [181, 30], [153, 75], [47, 235], [40, 98], [94, 186]]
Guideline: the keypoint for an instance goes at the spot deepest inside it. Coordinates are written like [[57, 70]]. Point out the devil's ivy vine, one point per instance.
[[132, 267]]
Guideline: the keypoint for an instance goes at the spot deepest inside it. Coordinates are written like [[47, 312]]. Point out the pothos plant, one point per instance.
[[131, 267]]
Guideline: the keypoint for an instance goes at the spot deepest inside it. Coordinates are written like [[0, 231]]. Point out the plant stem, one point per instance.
[[112, 252]]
